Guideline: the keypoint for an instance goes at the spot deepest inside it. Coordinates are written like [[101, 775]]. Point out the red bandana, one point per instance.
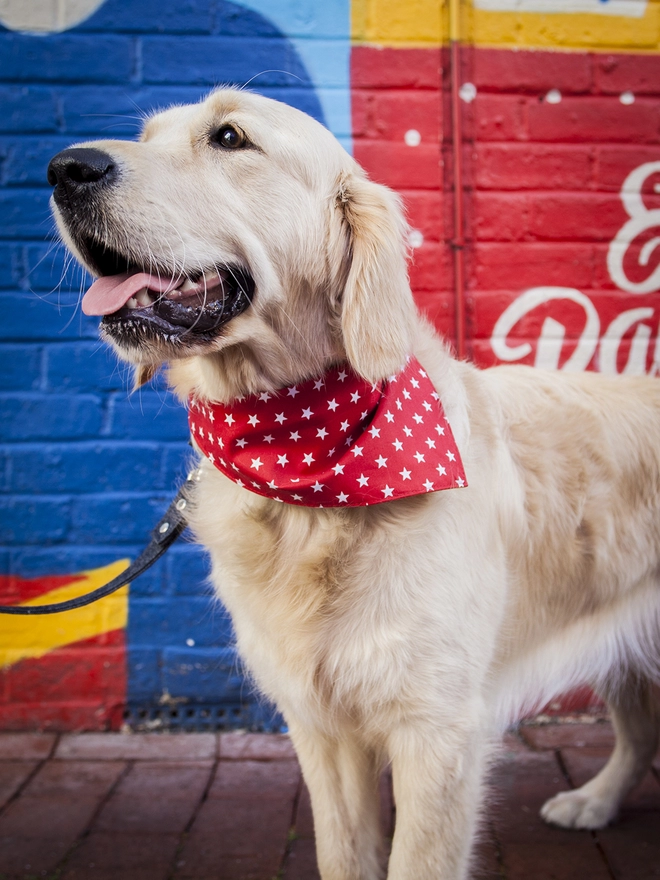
[[334, 441]]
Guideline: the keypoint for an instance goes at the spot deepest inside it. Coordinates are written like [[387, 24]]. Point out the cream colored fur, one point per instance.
[[410, 632]]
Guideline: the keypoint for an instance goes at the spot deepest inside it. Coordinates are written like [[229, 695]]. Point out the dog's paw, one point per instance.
[[575, 809]]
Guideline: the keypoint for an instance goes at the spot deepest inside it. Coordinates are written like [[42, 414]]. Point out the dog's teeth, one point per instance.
[[143, 298], [187, 285], [132, 303]]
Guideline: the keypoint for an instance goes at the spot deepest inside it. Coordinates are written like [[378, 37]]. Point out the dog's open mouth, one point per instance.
[[158, 305]]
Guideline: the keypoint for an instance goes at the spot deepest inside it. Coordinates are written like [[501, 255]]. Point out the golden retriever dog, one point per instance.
[[238, 243]]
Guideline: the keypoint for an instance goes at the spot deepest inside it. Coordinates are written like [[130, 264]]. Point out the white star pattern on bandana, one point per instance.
[[360, 444]]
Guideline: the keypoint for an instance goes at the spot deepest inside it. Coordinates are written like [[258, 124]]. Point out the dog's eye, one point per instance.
[[229, 138]]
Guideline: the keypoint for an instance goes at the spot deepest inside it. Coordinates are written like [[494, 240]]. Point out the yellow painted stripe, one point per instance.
[[23, 637], [424, 23]]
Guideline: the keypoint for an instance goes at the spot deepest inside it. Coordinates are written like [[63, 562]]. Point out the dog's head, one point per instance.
[[237, 231]]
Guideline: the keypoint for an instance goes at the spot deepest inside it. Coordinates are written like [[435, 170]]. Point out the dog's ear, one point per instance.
[[144, 373], [377, 308]]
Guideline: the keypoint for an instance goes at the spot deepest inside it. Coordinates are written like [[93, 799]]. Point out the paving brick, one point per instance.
[[13, 774], [632, 846], [140, 747], [30, 856], [155, 797], [105, 855], [238, 838], [529, 846], [559, 736], [586, 762], [255, 747], [26, 746]]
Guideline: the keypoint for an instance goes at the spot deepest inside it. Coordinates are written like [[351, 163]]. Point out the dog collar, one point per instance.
[[334, 441]]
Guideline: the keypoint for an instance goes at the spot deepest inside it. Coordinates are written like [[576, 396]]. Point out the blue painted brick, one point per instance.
[[66, 559], [144, 674], [114, 519], [302, 19], [10, 265], [212, 60], [85, 366], [20, 367], [51, 268], [5, 557], [117, 112], [25, 159], [66, 57], [24, 213], [173, 621], [48, 468], [188, 571], [31, 416], [147, 415], [28, 108], [172, 16], [178, 460], [202, 675], [34, 520], [31, 316]]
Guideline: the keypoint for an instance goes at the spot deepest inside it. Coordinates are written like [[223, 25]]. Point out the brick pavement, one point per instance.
[[232, 806]]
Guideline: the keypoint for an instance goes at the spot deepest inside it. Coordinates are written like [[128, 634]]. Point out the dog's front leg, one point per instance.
[[342, 778], [437, 774]]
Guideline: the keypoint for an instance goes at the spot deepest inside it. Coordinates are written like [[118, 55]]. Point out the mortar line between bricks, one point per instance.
[[592, 833], [291, 834], [61, 865], [28, 779], [189, 824]]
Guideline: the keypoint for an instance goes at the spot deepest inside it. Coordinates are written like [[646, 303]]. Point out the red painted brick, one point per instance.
[[500, 216], [637, 73], [388, 115], [522, 265], [375, 67], [424, 212], [398, 165], [513, 166], [71, 674], [576, 216], [429, 269], [593, 119], [69, 715], [614, 163], [496, 118], [535, 71]]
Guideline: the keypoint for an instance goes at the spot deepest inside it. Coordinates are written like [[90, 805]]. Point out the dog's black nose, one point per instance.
[[80, 168]]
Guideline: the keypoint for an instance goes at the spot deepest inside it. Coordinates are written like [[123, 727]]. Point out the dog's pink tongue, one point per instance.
[[109, 293]]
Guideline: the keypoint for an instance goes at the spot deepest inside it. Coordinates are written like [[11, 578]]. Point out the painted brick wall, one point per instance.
[[550, 137], [86, 468]]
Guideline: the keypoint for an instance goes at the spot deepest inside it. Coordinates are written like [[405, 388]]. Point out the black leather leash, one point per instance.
[[165, 533]]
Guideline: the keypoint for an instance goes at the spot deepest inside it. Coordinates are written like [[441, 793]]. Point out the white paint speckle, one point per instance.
[[467, 92], [412, 137], [553, 96], [627, 98], [190, 643], [415, 238]]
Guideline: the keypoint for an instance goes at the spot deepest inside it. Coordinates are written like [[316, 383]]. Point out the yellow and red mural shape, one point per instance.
[[558, 185]]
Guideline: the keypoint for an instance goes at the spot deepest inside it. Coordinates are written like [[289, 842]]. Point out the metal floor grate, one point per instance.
[[201, 717]]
